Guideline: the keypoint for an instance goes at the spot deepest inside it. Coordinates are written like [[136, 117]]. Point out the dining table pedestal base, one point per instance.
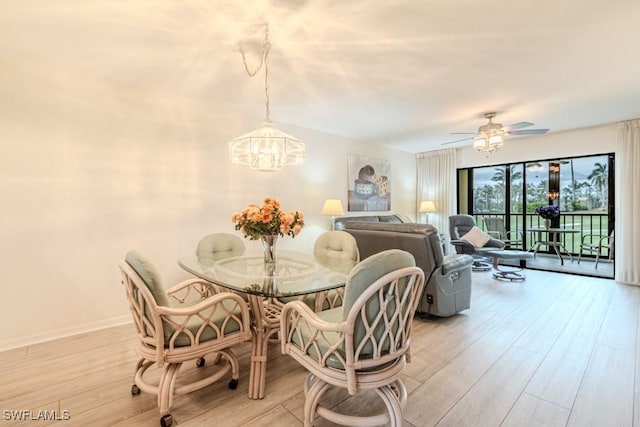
[[265, 313], [265, 287]]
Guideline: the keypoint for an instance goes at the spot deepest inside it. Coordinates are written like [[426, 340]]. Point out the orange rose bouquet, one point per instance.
[[268, 220]]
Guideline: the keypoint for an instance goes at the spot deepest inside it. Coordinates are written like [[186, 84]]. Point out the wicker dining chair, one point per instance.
[[338, 251], [216, 246], [362, 345], [185, 322]]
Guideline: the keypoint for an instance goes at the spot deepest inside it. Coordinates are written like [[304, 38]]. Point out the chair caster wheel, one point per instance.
[[200, 362], [135, 390], [166, 420], [233, 384]]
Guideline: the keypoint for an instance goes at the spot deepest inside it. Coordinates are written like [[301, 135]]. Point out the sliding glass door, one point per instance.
[[582, 187]]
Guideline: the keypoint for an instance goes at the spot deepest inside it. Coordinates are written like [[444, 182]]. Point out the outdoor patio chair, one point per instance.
[[496, 229], [596, 243]]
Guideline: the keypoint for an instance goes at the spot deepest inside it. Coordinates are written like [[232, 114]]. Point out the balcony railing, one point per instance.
[[585, 223]]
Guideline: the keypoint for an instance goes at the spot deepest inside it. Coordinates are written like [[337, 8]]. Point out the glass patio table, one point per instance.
[[554, 240], [293, 275]]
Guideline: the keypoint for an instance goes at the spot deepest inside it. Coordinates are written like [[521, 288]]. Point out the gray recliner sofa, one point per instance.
[[447, 278]]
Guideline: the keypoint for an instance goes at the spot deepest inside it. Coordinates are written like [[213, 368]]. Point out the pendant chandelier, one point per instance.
[[265, 149]]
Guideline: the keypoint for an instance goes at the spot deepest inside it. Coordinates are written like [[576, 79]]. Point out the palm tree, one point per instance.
[[599, 178], [499, 177]]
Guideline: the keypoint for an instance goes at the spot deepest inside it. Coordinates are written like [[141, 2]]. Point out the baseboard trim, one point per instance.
[[64, 332]]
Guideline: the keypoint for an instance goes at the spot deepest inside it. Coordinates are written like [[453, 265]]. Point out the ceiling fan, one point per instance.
[[490, 136]]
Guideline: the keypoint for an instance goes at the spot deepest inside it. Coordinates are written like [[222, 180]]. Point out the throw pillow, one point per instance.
[[476, 237]]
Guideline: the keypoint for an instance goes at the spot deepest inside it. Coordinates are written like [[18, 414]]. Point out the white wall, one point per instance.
[[88, 172], [591, 140]]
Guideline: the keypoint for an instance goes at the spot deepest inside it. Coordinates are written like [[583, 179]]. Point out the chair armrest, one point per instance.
[[301, 326], [192, 288], [205, 304], [462, 243], [456, 262], [593, 237], [519, 235], [609, 239], [494, 234], [218, 314], [494, 243]]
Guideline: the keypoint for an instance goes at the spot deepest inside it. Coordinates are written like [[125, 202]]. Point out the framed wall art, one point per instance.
[[369, 186]]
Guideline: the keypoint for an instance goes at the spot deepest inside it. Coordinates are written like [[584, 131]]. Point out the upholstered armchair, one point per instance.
[[362, 345], [468, 239], [184, 323]]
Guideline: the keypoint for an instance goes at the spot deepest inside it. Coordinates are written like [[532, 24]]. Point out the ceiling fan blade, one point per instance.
[[457, 140], [528, 132], [463, 133], [518, 125]]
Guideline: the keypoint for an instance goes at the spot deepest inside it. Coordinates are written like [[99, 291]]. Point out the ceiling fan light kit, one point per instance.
[[488, 143], [490, 136]]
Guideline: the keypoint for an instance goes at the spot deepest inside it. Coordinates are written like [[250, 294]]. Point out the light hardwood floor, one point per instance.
[[555, 350]]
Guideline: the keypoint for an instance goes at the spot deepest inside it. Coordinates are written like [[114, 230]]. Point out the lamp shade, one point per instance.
[[332, 207], [480, 143], [495, 142], [427, 206]]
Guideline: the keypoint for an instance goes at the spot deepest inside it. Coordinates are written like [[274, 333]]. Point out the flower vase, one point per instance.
[[269, 245], [547, 223]]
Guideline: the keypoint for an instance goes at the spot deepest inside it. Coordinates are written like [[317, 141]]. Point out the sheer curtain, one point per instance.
[[436, 180], [627, 227]]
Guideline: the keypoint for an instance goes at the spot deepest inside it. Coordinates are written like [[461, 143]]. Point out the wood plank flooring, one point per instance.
[[555, 350]]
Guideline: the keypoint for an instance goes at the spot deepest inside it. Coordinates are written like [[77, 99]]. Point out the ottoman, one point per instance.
[[514, 273]]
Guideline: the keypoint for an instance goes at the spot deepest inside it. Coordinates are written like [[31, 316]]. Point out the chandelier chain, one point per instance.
[[267, 48], [264, 60], [267, 148]]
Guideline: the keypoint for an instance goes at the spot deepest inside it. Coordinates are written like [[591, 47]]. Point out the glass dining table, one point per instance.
[[293, 276]]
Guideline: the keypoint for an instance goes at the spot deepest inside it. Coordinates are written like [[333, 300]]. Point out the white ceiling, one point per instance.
[[403, 73]]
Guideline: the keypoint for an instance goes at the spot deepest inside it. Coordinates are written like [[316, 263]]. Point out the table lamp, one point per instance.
[[332, 207], [427, 206]]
